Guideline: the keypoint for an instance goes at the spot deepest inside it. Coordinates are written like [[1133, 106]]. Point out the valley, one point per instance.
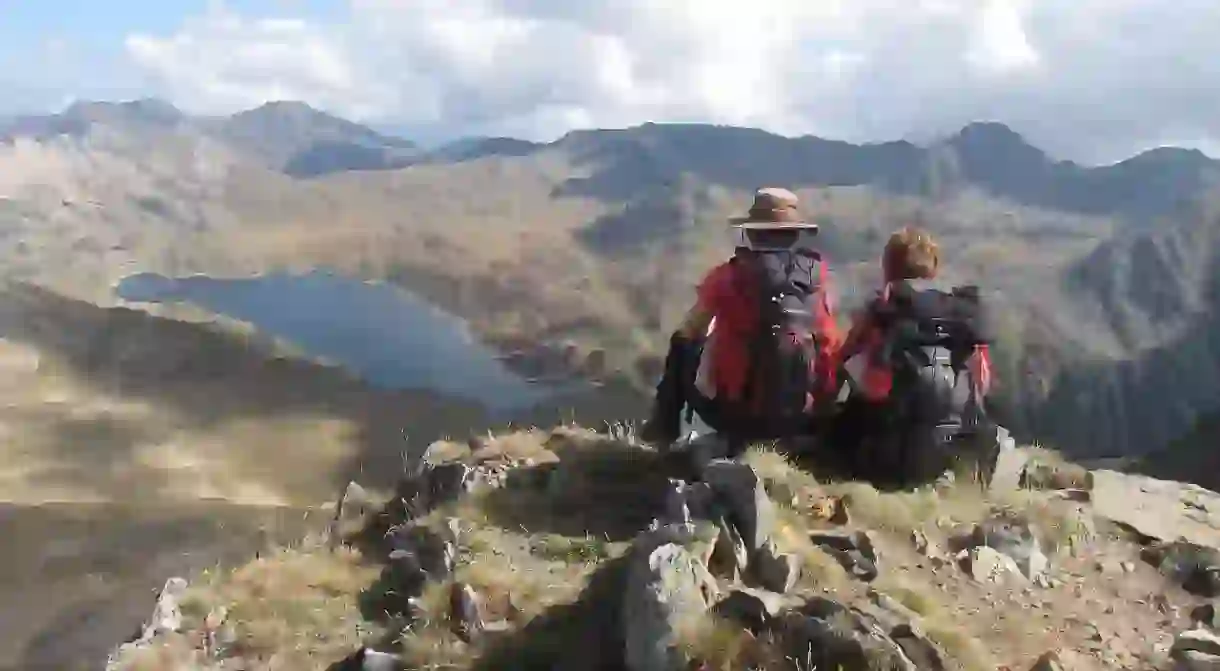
[[253, 387]]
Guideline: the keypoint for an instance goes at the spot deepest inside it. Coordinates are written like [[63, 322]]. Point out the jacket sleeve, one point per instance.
[[826, 329], [979, 365]]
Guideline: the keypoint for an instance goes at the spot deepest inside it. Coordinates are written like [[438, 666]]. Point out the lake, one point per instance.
[[387, 336]]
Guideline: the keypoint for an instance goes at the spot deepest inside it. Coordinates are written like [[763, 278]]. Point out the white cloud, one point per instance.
[[1089, 78]]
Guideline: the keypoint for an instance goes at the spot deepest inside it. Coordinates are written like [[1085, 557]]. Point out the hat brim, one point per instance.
[[752, 224]]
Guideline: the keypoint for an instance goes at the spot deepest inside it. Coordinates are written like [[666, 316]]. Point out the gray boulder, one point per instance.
[[825, 634], [1195, 567], [739, 489], [668, 587], [1014, 537], [352, 514]]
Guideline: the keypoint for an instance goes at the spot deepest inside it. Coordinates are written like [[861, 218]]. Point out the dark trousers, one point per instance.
[[676, 393], [889, 448]]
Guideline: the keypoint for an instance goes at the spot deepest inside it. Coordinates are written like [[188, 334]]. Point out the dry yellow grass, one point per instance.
[[294, 608], [297, 607]]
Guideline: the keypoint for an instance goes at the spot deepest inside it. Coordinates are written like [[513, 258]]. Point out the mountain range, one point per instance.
[[1103, 277]]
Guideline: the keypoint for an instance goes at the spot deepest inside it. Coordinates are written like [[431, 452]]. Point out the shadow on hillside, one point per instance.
[[600, 487], [205, 376], [584, 634], [78, 579], [740, 158]]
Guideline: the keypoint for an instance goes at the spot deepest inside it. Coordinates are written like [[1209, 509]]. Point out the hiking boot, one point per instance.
[[659, 433]]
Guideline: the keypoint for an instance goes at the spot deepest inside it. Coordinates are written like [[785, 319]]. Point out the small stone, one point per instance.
[[1015, 538], [1197, 661], [465, 612], [379, 661], [730, 557], [753, 608], [855, 552], [1049, 661], [454, 526], [924, 545], [832, 509], [217, 637], [1207, 615], [988, 565], [1197, 640], [351, 514], [774, 570]]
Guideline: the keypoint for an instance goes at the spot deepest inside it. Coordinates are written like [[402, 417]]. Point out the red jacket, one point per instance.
[[736, 316]]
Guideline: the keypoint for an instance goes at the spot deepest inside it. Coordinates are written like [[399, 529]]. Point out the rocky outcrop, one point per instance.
[[752, 557], [166, 618]]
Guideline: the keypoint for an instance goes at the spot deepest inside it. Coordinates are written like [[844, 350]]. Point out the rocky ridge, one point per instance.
[[573, 549]]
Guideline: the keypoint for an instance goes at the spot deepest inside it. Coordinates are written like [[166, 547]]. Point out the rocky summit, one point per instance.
[[572, 549]]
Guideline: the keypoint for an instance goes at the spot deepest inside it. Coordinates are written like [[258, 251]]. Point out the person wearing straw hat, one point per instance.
[[754, 356]]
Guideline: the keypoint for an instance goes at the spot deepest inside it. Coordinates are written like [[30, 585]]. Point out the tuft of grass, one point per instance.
[[783, 480], [918, 600], [299, 603], [167, 653], [571, 550], [898, 512], [966, 652], [1048, 469], [819, 570], [713, 644], [1059, 524]]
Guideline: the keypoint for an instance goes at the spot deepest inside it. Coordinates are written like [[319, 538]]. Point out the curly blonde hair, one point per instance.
[[911, 254]]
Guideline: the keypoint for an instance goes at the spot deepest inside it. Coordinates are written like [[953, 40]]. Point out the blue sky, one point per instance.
[[52, 51], [28, 23], [1091, 80]]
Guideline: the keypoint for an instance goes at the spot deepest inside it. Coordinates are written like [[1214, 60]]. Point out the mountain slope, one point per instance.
[[601, 235], [304, 142]]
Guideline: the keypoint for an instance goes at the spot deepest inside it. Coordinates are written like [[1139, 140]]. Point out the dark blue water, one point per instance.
[[385, 335]]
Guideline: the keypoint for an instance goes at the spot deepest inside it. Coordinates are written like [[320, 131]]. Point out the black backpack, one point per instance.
[[932, 412], [786, 286], [929, 336]]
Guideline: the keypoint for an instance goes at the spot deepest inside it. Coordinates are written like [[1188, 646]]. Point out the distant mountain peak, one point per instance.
[[147, 110], [284, 107], [303, 141], [989, 128], [1161, 155], [993, 136]]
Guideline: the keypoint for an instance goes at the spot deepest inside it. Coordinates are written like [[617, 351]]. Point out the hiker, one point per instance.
[[919, 368], [750, 383]]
